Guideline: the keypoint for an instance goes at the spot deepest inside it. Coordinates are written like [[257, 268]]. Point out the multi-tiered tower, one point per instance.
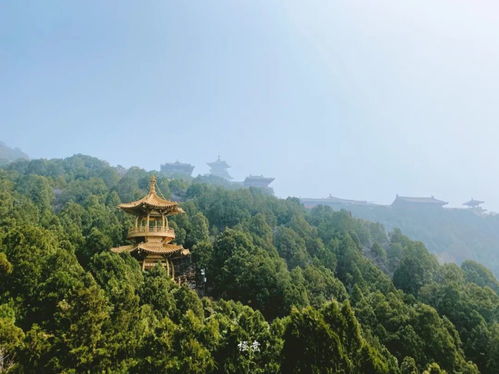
[[219, 168], [151, 233]]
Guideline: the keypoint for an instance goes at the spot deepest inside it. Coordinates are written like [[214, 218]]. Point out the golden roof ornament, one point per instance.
[[152, 185]]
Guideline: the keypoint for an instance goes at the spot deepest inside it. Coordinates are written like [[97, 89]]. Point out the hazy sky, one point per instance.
[[361, 99]]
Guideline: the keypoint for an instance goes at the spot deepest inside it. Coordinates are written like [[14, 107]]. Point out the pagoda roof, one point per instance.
[[218, 163], [473, 202], [420, 200], [123, 249], [151, 201], [152, 248]]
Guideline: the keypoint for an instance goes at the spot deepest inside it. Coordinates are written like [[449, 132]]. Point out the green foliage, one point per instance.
[[241, 271], [5, 265], [409, 366], [416, 268], [288, 290], [11, 338], [413, 330], [291, 247], [480, 275], [434, 369], [471, 308], [329, 340], [452, 234]]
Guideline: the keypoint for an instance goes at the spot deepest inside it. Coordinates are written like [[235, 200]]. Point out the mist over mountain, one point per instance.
[[454, 235], [8, 154]]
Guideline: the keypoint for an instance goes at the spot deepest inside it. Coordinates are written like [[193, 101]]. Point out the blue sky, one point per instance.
[[361, 99]]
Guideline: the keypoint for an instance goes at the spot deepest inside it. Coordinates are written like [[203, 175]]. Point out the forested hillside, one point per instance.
[[454, 235], [287, 290]]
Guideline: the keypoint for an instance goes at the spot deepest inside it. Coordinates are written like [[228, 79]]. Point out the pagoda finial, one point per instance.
[[152, 185]]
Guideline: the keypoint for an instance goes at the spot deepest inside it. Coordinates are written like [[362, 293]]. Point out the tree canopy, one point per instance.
[[287, 290]]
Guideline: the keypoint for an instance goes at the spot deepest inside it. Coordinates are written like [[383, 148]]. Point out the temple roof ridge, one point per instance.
[[151, 200], [219, 162], [420, 200]]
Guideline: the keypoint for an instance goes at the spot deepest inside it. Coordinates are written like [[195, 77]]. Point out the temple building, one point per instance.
[[219, 168], [258, 181], [176, 169], [333, 202], [151, 233], [417, 202]]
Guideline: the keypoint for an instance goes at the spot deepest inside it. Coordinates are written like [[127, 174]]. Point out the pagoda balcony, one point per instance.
[[150, 231]]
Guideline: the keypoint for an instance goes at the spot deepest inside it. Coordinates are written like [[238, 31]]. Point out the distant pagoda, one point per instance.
[[151, 232], [474, 204], [418, 202], [176, 169], [219, 168]]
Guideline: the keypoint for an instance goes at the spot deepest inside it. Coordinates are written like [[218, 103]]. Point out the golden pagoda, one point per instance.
[[151, 232]]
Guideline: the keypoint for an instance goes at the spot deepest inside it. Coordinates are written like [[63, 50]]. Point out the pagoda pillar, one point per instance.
[[172, 269], [167, 263]]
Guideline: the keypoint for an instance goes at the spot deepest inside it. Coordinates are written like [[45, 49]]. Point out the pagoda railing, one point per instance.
[[153, 229]]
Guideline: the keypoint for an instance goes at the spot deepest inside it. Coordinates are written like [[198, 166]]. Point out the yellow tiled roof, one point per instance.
[[155, 248], [151, 200]]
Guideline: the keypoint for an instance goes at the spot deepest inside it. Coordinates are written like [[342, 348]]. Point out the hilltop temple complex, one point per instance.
[[151, 233], [218, 168], [399, 202]]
